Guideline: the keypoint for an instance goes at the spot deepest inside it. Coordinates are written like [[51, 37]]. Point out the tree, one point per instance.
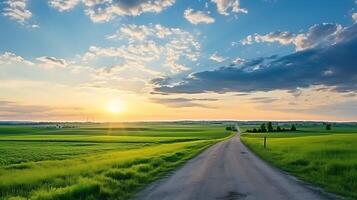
[[293, 128], [255, 130], [270, 127], [328, 127], [278, 129], [228, 128], [263, 128]]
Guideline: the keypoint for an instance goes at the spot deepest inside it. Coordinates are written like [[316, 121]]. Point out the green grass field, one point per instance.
[[95, 161], [325, 158]]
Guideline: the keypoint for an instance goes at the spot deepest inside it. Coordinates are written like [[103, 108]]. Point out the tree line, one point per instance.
[[268, 127], [231, 128]]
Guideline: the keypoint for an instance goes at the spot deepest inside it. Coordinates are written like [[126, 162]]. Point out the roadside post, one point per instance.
[[265, 142]]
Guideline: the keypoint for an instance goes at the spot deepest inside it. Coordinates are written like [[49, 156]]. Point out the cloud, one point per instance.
[[197, 17], [49, 62], [263, 99], [301, 69], [149, 44], [16, 10], [133, 32], [183, 102], [130, 76], [9, 58], [217, 58], [354, 17], [317, 35], [144, 52], [13, 107], [18, 111], [238, 61], [106, 10], [63, 5], [224, 7], [347, 110]]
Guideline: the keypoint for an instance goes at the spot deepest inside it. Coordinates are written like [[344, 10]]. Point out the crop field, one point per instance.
[[325, 158], [95, 161]]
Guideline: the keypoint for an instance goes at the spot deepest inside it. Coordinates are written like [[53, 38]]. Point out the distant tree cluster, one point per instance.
[[268, 128], [231, 128]]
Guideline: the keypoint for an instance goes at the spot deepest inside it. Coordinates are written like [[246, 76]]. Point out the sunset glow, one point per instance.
[[176, 60], [115, 107]]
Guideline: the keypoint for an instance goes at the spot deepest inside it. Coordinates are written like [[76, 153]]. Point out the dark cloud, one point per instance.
[[332, 66], [263, 99], [52, 61], [241, 94], [317, 35], [183, 102]]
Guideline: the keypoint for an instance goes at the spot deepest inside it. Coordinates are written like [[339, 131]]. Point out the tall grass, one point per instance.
[[329, 161], [63, 166]]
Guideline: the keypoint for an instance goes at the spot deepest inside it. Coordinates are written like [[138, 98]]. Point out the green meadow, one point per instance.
[[95, 161], [327, 158]]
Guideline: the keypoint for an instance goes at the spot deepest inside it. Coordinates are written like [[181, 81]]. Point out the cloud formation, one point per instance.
[[332, 66], [9, 58], [14, 107], [106, 10], [354, 17], [133, 32], [63, 5], [317, 35], [17, 10], [20, 111], [224, 7], [217, 58], [48, 62], [183, 102], [151, 43], [197, 17]]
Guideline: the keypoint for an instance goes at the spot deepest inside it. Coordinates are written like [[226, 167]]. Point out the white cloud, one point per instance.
[[63, 5], [16, 10], [145, 52], [354, 17], [49, 62], [106, 10], [9, 58], [238, 61], [130, 76], [224, 7], [132, 32], [196, 17], [217, 58], [318, 34], [151, 43]]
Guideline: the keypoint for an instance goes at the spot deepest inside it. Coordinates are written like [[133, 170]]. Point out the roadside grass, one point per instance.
[[63, 166], [325, 159]]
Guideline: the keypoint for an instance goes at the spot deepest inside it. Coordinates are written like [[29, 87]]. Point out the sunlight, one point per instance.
[[115, 106]]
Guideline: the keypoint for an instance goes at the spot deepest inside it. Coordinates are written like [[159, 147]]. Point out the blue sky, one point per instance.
[[114, 48], [59, 31]]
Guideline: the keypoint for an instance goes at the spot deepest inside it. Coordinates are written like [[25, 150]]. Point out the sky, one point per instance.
[[143, 60]]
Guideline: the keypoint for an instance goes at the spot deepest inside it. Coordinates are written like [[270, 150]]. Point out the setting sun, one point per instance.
[[115, 107]]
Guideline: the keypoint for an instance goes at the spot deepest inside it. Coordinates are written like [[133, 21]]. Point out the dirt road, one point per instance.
[[228, 171]]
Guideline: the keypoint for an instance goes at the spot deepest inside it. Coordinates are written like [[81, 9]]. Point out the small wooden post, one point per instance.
[[265, 142]]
